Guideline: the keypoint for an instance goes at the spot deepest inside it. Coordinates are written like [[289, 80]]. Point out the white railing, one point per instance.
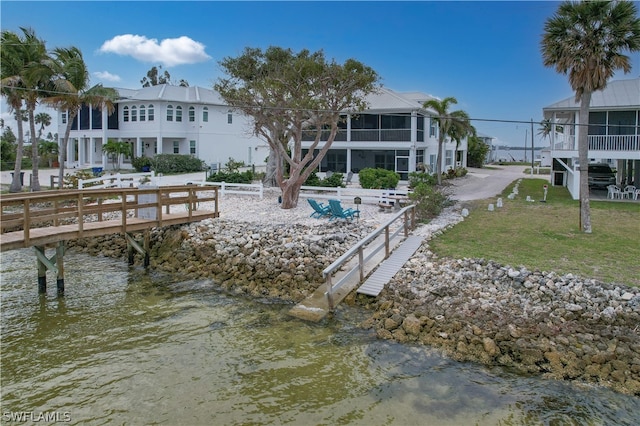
[[234, 188], [127, 180], [342, 194], [602, 143]]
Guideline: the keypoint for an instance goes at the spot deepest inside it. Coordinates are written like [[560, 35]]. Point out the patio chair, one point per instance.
[[349, 177], [319, 209], [628, 192], [613, 192], [338, 212]]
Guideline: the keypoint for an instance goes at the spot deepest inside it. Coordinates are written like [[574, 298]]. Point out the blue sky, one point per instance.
[[486, 54]]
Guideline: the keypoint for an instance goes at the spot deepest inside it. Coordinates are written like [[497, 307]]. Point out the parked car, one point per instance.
[[601, 175]]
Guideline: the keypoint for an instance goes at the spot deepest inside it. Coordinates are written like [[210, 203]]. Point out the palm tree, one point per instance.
[[44, 120], [545, 128], [35, 76], [587, 41], [13, 89], [73, 91], [452, 124]]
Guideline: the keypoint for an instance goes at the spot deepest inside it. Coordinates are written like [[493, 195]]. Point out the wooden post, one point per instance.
[[42, 271], [132, 245], [60, 265], [147, 245]]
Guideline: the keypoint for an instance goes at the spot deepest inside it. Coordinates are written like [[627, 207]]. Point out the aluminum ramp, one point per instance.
[[381, 276]]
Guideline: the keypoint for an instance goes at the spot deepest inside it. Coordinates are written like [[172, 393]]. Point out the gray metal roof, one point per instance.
[[618, 94], [167, 92], [384, 100]]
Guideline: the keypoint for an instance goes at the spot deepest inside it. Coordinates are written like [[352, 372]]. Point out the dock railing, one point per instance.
[[406, 215], [120, 210]]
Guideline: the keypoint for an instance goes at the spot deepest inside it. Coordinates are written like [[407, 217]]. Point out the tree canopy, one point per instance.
[[289, 93], [155, 76], [454, 124]]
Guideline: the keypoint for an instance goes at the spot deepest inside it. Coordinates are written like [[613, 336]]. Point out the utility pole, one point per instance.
[[532, 150]]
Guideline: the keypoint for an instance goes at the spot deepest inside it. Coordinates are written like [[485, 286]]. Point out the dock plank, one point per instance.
[[381, 276]]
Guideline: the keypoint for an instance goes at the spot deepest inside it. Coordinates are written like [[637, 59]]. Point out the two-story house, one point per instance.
[[614, 134], [164, 119], [395, 132]]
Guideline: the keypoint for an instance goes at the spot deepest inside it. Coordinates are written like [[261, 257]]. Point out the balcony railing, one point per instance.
[[367, 135], [601, 143]]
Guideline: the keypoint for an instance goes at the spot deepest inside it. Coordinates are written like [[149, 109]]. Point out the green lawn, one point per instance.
[[546, 236]]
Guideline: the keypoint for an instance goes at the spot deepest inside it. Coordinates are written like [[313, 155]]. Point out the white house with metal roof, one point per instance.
[[614, 134], [395, 132]]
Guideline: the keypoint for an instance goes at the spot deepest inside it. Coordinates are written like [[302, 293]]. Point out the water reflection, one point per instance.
[[124, 346]]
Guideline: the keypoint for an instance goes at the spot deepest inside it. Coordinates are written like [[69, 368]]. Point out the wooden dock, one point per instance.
[[46, 218]]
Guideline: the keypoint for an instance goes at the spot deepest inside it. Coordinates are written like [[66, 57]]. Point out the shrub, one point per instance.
[[333, 181], [234, 177], [416, 178], [139, 162], [177, 163], [378, 178], [429, 201]]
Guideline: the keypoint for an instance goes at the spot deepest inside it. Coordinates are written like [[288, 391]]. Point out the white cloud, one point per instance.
[[169, 52], [106, 75]]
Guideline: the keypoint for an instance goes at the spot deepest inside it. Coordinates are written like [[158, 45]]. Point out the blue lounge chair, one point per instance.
[[319, 209], [338, 212]]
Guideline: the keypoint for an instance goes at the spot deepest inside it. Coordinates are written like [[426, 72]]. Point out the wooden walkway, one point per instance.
[[349, 271], [41, 218], [50, 218], [381, 276]]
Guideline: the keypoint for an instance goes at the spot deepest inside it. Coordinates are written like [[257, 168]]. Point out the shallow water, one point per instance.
[[127, 347]]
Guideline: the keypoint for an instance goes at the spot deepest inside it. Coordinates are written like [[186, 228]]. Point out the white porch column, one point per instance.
[[92, 150], [414, 139], [70, 151], [82, 159], [159, 145], [349, 128], [138, 146], [348, 160]]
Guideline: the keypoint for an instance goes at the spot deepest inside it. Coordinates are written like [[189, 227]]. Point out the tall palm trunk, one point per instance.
[[16, 185], [62, 152], [583, 158], [439, 161], [35, 179]]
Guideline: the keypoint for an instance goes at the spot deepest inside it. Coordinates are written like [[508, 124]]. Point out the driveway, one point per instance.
[[479, 184]]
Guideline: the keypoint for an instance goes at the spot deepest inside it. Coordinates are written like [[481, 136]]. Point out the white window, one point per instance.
[[192, 114], [178, 113], [142, 113], [169, 112], [151, 112], [448, 157], [125, 113], [205, 114], [176, 147], [432, 127], [134, 114], [64, 117], [229, 117], [192, 147]]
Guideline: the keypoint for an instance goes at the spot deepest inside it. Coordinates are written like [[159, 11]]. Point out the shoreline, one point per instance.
[[537, 322]]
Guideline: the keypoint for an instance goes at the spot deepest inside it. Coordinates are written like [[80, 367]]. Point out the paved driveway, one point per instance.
[[479, 184]]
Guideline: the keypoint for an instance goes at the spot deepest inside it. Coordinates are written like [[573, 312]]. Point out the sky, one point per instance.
[[485, 54]]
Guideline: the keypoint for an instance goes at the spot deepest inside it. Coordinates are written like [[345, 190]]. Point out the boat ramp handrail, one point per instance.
[[406, 214]]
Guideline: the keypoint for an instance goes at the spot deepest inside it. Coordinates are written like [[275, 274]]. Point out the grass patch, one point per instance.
[[547, 236]]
